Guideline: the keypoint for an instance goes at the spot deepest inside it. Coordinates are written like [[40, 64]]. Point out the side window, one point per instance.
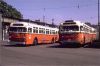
[[81, 28], [50, 31], [30, 30], [85, 29], [91, 31], [35, 29], [40, 30], [44, 30], [47, 31], [56, 32], [53, 32]]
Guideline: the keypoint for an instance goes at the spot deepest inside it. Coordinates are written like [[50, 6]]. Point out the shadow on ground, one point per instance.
[[94, 45], [62, 46], [15, 46]]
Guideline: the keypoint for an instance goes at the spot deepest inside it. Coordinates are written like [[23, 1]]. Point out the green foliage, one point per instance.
[[8, 11]]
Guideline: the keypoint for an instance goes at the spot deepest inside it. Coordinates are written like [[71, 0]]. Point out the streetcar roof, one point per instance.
[[72, 22], [75, 22], [24, 24]]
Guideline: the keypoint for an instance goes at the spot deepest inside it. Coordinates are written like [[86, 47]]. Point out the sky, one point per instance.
[[58, 10]]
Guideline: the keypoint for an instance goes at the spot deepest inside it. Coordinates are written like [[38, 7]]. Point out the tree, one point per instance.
[[8, 11]]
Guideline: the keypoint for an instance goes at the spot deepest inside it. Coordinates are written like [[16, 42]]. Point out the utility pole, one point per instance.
[[1, 35], [44, 15], [52, 21], [98, 23]]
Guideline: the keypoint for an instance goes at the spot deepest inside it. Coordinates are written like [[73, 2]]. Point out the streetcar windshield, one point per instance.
[[70, 28], [17, 29]]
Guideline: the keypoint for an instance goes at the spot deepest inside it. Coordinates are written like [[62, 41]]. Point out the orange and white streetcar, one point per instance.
[[28, 33], [76, 32]]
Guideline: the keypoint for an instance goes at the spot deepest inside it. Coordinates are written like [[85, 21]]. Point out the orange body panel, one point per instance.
[[29, 37], [79, 37]]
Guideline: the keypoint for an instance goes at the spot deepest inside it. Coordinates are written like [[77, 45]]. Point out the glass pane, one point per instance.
[[18, 29], [70, 28], [29, 29]]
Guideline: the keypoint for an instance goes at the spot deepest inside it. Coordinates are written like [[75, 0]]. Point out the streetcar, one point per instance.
[[28, 33], [76, 32]]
